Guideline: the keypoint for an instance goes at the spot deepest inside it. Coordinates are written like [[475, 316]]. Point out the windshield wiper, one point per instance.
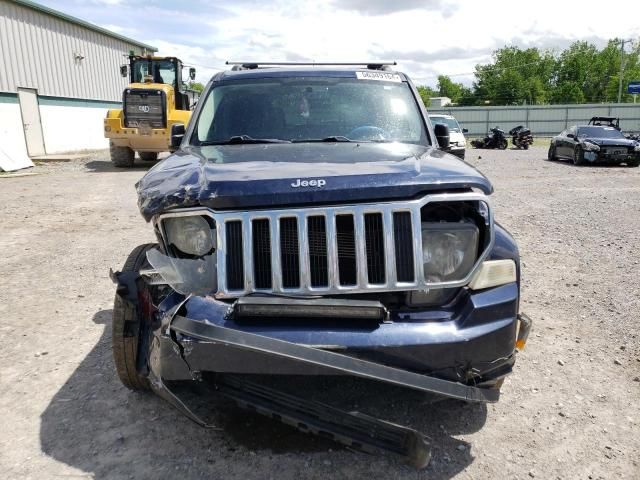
[[332, 138], [243, 139]]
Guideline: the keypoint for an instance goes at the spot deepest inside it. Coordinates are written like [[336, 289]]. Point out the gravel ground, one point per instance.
[[570, 409]]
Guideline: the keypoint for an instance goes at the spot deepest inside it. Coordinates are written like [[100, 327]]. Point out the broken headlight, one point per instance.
[[190, 234], [449, 250], [590, 147]]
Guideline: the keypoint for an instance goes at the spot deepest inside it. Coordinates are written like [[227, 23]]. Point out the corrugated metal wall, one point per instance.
[[38, 51], [541, 119]]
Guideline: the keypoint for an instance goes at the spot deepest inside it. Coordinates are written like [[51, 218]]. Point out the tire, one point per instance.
[[526, 146], [502, 144], [126, 326], [148, 156], [578, 156], [121, 157], [633, 163], [551, 155]]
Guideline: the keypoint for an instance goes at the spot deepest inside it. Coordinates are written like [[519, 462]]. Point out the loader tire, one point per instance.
[[148, 156], [121, 157], [127, 325]]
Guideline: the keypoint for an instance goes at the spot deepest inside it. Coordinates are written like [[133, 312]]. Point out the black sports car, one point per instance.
[[594, 143]]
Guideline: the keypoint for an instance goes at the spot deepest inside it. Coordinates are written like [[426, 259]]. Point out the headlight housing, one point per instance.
[[636, 148], [449, 250], [190, 234], [590, 147]]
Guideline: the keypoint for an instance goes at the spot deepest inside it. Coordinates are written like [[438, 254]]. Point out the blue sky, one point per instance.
[[426, 37]]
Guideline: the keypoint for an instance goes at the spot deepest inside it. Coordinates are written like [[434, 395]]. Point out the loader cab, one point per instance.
[[166, 70]]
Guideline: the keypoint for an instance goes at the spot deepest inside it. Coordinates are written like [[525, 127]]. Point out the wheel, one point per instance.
[[148, 156], [121, 156], [129, 322], [526, 146], [633, 163], [502, 144], [578, 155], [551, 155]]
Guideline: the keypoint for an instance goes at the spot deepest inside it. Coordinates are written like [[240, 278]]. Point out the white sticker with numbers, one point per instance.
[[377, 75]]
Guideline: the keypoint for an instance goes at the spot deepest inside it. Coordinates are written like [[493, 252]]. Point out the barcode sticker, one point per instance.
[[381, 76]]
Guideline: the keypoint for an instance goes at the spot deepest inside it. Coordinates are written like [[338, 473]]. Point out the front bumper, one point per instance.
[[606, 157], [472, 342]]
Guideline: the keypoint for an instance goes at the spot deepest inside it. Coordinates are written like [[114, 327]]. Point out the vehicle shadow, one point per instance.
[[99, 166], [95, 425], [569, 163]]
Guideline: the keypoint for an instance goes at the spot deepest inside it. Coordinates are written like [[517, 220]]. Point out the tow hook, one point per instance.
[[524, 327]]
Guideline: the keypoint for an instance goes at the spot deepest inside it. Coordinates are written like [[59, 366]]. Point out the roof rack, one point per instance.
[[254, 65]]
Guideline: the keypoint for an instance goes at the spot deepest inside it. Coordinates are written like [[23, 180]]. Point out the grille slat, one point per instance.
[[317, 231], [374, 242], [233, 261], [290, 262], [262, 253], [403, 250]]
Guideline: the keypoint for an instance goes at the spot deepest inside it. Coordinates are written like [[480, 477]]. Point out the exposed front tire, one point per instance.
[[128, 324], [551, 154], [148, 156], [578, 156], [502, 144], [121, 156], [633, 163], [526, 146]]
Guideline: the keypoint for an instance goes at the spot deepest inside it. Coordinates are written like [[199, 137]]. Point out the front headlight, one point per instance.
[[590, 147], [449, 250], [636, 148], [190, 234]]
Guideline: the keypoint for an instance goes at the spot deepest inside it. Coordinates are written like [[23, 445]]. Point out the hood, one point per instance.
[[611, 141], [256, 176]]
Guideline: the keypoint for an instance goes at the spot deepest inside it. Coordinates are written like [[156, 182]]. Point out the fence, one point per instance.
[[541, 119]]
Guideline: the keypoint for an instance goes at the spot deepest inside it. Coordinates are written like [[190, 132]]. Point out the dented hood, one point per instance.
[[271, 175]]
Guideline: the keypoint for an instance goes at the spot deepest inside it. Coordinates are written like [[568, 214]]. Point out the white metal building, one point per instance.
[[58, 77]]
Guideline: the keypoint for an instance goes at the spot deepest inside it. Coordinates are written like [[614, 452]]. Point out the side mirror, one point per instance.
[[123, 70], [465, 130], [192, 73], [442, 135], [570, 135], [177, 134]]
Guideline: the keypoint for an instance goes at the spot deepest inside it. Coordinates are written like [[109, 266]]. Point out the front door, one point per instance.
[[31, 124]]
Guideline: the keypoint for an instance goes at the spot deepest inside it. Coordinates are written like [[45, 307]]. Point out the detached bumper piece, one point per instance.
[[353, 429], [328, 360]]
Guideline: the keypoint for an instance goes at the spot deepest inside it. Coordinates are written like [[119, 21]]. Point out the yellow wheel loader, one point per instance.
[[154, 100]]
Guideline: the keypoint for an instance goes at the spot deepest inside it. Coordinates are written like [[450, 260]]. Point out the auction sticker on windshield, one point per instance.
[[383, 76]]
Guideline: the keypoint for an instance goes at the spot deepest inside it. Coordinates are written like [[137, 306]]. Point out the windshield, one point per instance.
[[599, 132], [452, 123], [162, 71], [310, 109]]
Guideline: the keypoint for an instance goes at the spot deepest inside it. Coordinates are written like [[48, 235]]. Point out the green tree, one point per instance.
[[426, 93], [197, 86], [447, 88]]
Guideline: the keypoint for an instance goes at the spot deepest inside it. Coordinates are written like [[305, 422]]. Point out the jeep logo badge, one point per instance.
[[143, 108], [309, 183]]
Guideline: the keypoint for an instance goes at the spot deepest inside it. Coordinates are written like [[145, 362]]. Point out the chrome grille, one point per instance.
[[331, 250], [328, 250]]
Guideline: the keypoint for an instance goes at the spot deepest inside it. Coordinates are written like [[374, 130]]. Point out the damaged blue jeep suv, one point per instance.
[[310, 222]]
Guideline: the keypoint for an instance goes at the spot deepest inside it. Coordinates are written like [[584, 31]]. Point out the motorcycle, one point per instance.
[[496, 139], [521, 137]]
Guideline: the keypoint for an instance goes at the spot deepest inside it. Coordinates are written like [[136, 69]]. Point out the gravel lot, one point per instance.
[[570, 410]]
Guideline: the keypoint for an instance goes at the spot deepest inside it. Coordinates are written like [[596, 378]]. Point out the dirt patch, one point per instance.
[[570, 410]]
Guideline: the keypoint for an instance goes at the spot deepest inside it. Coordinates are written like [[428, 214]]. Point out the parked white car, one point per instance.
[[457, 142]]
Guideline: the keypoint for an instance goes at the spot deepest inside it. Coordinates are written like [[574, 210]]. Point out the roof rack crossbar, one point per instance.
[[372, 65]]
